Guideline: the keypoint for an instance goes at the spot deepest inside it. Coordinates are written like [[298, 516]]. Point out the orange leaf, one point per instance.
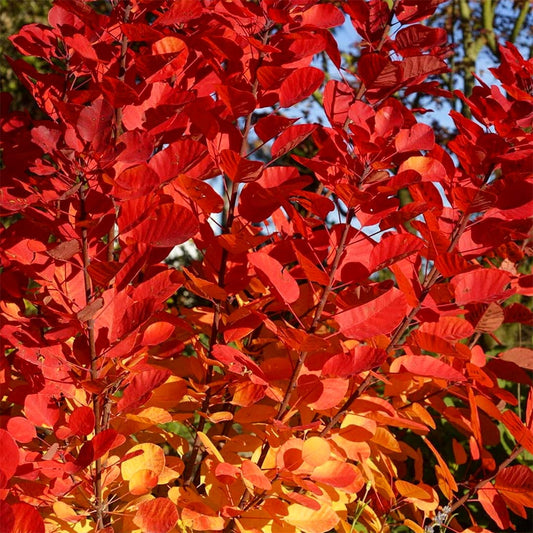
[[445, 470], [430, 169], [289, 455], [156, 516], [201, 517], [338, 474], [422, 495], [516, 483], [157, 333], [385, 439], [494, 506], [209, 446], [152, 458], [276, 276], [322, 393], [252, 473], [310, 520], [142, 482], [520, 432], [459, 453], [425, 365], [316, 451]]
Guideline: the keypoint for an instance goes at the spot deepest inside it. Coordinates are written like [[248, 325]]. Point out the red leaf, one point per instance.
[[338, 97], [418, 37], [168, 45], [393, 248], [159, 515], [157, 333], [268, 127], [181, 11], [321, 394], [450, 264], [517, 478], [135, 181], [41, 410], [166, 226], [430, 169], [450, 328], [518, 313], [494, 506], [323, 16], [291, 138], [201, 193], [523, 357], [101, 443], [299, 85], [8, 518], [425, 365], [377, 71], [377, 317], [94, 124], [257, 203], [418, 137], [414, 10], [360, 359], [485, 318], [416, 68], [81, 421], [519, 431], [481, 285], [89, 311], [239, 169], [10, 454], [240, 103], [226, 473], [238, 363], [27, 519], [276, 275], [118, 93], [140, 388], [65, 250], [21, 429], [82, 46], [238, 328]]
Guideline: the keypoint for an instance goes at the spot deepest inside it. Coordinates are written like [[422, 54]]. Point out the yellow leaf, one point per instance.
[[311, 521], [316, 451], [422, 496], [357, 428], [220, 416], [169, 394], [151, 458], [385, 439], [63, 511], [413, 526], [142, 482], [209, 446], [156, 415]]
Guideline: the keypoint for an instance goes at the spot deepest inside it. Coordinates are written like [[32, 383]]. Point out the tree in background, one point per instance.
[[331, 372]]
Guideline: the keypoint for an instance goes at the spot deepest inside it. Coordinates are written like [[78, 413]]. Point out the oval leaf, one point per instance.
[[276, 275], [377, 317], [299, 85], [156, 516], [425, 365]]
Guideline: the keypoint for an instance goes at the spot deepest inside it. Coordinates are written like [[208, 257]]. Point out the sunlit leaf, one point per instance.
[[156, 516]]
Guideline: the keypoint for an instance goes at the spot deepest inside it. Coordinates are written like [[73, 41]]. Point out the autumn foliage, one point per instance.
[[320, 364]]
